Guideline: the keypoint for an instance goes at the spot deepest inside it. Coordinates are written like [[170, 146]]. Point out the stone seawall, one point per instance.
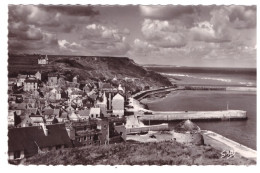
[[195, 115], [222, 143]]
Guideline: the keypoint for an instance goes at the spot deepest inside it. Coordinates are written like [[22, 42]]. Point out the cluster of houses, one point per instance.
[[44, 116]]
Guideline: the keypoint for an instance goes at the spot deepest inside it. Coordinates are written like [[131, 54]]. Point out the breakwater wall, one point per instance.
[[252, 89], [215, 88], [195, 115], [222, 143], [158, 127], [142, 94]]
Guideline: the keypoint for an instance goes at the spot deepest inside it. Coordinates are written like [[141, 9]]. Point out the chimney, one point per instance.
[[109, 101], [45, 130]]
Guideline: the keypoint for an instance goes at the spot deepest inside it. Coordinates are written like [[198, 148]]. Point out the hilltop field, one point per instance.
[[89, 69], [161, 153]]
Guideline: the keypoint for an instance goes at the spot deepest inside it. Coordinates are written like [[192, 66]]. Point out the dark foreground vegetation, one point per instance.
[[162, 153]]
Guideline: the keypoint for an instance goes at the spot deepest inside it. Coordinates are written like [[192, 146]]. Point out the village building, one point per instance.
[[20, 79], [74, 116], [38, 75], [91, 132], [36, 120], [69, 91], [120, 90], [52, 79], [12, 80], [49, 114], [24, 121], [55, 94], [30, 102], [187, 132], [86, 88], [103, 126], [75, 94], [118, 105], [84, 113], [69, 108], [61, 81], [102, 104], [30, 84], [32, 111], [63, 117], [77, 102], [114, 79], [72, 84], [28, 141], [75, 79], [107, 87], [18, 106], [10, 118], [94, 113], [11, 83], [43, 60]]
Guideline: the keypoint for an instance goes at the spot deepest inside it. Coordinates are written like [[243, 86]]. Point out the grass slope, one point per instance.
[[162, 153]]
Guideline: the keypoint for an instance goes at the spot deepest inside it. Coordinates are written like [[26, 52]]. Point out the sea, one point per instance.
[[242, 131]]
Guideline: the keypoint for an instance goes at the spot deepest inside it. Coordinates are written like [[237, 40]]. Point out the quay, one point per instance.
[[194, 115], [144, 129], [222, 143], [142, 94]]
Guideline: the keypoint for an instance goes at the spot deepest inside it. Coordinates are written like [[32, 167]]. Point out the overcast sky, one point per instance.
[[214, 36]]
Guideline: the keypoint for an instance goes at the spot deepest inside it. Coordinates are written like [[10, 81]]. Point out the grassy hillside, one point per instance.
[[163, 153], [88, 68]]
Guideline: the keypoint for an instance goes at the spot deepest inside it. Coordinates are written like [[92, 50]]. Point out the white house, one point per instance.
[[118, 105], [30, 84], [94, 113]]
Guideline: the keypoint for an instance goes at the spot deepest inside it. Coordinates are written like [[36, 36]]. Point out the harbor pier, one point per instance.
[[194, 115]]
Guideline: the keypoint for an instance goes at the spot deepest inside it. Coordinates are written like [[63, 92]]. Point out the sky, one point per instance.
[[199, 36]]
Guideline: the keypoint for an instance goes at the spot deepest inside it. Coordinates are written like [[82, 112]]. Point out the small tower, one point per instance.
[[46, 59]]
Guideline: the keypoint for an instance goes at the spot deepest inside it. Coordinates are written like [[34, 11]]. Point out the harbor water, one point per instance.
[[241, 131]]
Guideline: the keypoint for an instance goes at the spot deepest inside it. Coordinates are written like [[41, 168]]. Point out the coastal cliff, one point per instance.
[[90, 68]]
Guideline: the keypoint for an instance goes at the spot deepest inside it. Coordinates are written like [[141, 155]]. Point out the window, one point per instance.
[[95, 137], [85, 138], [17, 154]]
